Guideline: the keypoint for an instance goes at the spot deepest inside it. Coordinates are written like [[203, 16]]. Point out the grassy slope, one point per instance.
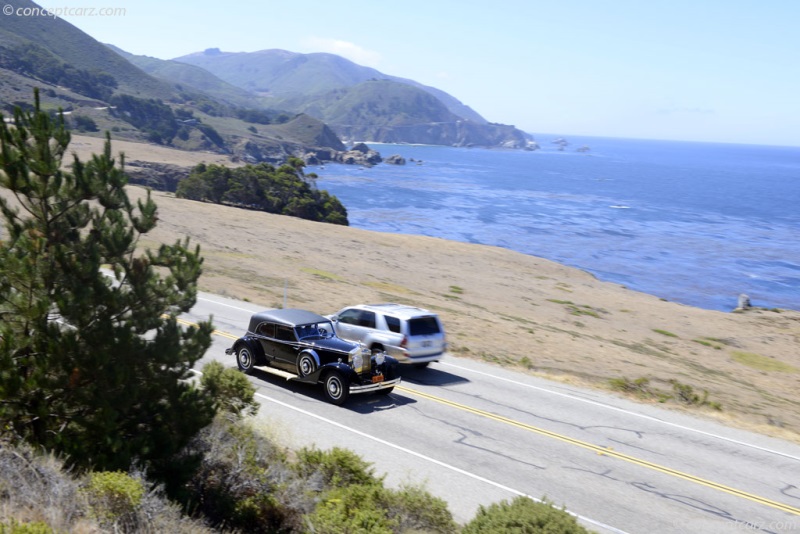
[[543, 317], [80, 50]]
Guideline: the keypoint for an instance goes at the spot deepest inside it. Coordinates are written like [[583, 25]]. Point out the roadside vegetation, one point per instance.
[[102, 427], [681, 393], [283, 190]]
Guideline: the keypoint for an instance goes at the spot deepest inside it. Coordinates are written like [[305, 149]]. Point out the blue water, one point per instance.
[[695, 223]]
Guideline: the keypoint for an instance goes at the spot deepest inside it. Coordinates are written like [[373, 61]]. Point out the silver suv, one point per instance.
[[409, 334]]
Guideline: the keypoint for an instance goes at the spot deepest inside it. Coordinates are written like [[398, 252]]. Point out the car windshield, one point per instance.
[[321, 330]]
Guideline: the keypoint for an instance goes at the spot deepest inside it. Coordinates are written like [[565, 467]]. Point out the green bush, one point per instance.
[[338, 467], [14, 527], [241, 481], [523, 515], [83, 123], [113, 495], [229, 389], [284, 190], [374, 509]]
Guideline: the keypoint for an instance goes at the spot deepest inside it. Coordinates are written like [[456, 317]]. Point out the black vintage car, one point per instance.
[[301, 345]]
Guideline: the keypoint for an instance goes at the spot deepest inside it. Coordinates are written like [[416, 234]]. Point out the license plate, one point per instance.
[[427, 343], [377, 378]]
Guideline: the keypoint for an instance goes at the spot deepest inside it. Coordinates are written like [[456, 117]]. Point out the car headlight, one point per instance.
[[380, 357], [358, 361]]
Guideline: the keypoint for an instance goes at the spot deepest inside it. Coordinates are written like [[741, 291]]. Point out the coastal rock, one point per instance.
[[744, 302], [360, 147], [395, 159], [360, 154], [158, 176], [309, 158]]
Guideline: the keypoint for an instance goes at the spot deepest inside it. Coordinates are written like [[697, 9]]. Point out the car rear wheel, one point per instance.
[[337, 388], [244, 359]]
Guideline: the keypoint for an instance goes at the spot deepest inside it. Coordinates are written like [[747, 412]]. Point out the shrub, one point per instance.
[[639, 386], [84, 124], [374, 509], [523, 514], [15, 527], [229, 389], [242, 481], [338, 467], [113, 495], [262, 187]]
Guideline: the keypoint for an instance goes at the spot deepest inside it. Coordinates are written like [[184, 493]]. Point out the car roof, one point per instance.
[[287, 316], [403, 311]]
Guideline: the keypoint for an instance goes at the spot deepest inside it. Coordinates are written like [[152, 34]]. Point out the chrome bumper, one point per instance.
[[374, 387]]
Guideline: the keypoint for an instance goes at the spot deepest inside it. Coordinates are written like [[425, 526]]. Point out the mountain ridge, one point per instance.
[[312, 83]]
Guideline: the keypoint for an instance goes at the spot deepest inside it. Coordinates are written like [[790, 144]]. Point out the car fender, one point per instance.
[[313, 354], [255, 349], [319, 375]]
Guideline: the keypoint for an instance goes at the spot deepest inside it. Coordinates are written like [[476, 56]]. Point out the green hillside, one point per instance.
[[281, 74], [187, 76], [180, 106], [76, 48], [359, 103]]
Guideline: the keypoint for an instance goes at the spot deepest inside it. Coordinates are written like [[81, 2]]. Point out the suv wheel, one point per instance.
[[337, 388]]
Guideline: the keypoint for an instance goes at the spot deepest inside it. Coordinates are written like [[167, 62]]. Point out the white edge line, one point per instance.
[[627, 412], [432, 460], [218, 303], [428, 459]]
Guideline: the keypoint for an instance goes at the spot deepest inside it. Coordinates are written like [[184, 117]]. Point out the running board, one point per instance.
[[277, 372]]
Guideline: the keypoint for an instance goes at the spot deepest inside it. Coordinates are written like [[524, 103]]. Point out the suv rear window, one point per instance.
[[423, 326]]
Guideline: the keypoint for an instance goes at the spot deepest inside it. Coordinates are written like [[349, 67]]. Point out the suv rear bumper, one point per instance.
[[404, 357]]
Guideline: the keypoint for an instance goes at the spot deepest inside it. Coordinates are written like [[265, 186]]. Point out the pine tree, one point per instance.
[[93, 362]]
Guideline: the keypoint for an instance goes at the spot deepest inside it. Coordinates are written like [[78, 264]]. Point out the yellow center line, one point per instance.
[[572, 441], [605, 451], [215, 332]]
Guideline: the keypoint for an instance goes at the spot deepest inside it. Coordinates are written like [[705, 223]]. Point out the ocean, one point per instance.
[[695, 223]]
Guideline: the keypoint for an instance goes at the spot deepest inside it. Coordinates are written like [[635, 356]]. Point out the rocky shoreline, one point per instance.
[[166, 176]]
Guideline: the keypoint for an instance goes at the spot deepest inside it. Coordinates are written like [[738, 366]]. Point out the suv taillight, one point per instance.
[[404, 343]]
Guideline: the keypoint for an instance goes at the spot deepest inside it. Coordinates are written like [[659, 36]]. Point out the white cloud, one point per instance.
[[348, 50]]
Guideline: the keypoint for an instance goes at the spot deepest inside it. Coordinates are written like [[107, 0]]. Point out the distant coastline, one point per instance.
[[697, 223]]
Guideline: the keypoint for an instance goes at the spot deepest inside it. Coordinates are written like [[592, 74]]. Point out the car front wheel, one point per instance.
[[244, 359], [337, 388], [306, 365]]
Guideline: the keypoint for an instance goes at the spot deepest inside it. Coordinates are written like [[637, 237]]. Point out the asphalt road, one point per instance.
[[475, 434]]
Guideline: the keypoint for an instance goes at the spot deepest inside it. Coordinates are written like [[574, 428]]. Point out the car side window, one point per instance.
[[349, 317], [366, 319], [284, 333], [266, 330], [393, 323]]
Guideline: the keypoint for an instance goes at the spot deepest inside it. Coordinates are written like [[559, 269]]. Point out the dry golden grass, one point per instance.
[[504, 307], [499, 306]]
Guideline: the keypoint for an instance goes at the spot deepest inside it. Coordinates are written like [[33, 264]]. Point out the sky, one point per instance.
[[699, 70]]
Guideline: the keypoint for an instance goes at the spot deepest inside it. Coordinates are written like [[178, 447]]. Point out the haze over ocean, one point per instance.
[[696, 223]]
